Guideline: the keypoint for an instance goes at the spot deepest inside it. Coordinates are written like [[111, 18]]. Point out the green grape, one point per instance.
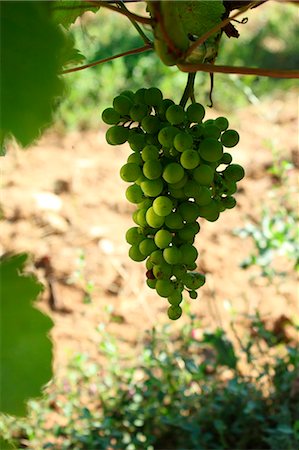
[[194, 280], [152, 169], [138, 112], [209, 212], [164, 288], [195, 113], [230, 138], [151, 283], [177, 193], [230, 187], [134, 194], [151, 139], [221, 123], [191, 189], [174, 312], [189, 159], [122, 104], [134, 235], [141, 217], [145, 204], [192, 266], [210, 150], [149, 264], [175, 298], [162, 206], [189, 231], [197, 131], [179, 271], [220, 205], [153, 96], [193, 294], [226, 158], [163, 106], [189, 253], [163, 271], [183, 141], [153, 219], [136, 139], [172, 255], [152, 188], [229, 202], [174, 221], [147, 246], [139, 96], [141, 179], [150, 152], [130, 172], [175, 114], [166, 136], [110, 116], [189, 211], [163, 238], [180, 183], [209, 122], [129, 94], [135, 254], [212, 131], [135, 158], [117, 135], [234, 172], [157, 257], [203, 175], [204, 197], [151, 124], [173, 173]]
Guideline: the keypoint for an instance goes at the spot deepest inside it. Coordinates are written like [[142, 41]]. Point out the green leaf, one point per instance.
[[66, 12], [69, 54], [30, 47], [225, 351], [200, 17], [26, 350]]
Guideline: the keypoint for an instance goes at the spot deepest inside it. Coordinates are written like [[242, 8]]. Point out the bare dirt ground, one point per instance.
[[63, 199]]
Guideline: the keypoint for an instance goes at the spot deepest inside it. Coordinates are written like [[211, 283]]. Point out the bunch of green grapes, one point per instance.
[[178, 172]]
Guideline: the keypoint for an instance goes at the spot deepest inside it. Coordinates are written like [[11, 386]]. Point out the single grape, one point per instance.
[[151, 283], [173, 173], [189, 159], [183, 141], [134, 194], [195, 113], [138, 112], [110, 116], [135, 254], [193, 294], [203, 175], [191, 189], [174, 221], [189, 253], [212, 131], [180, 183], [153, 219], [150, 124], [175, 298], [209, 212], [134, 236], [175, 114], [210, 150], [189, 231], [174, 312], [141, 217], [139, 96], [129, 94], [117, 135], [164, 288], [166, 136], [157, 257], [162, 206], [229, 202], [234, 172], [162, 271], [149, 264], [226, 158], [204, 196], [163, 238], [230, 138], [136, 139], [221, 123], [189, 211], [150, 152], [135, 158], [147, 246], [152, 169], [172, 255], [153, 96], [122, 104], [130, 172], [152, 188]]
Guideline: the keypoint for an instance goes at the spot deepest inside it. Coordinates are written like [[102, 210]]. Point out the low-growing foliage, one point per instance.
[[190, 390]]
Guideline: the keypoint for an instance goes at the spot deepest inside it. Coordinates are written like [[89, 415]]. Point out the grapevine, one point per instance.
[[179, 173]]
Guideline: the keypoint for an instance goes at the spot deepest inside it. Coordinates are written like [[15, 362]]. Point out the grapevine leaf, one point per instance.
[[26, 351], [200, 17], [30, 46], [66, 12], [69, 54]]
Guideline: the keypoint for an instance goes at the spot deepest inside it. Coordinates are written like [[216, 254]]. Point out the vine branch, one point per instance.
[[101, 61], [143, 36], [127, 13], [189, 89], [213, 68]]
